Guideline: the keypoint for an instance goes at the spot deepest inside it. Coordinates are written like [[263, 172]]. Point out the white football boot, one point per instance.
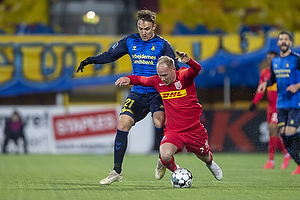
[[112, 177], [215, 170], [160, 170]]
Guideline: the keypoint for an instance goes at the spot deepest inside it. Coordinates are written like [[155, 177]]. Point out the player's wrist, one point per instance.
[[91, 59]]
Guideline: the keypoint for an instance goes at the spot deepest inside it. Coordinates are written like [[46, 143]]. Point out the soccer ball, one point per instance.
[[181, 178]]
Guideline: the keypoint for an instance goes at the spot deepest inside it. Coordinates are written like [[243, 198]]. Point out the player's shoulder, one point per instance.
[[276, 60], [159, 38], [155, 78], [293, 53], [131, 36], [182, 68]]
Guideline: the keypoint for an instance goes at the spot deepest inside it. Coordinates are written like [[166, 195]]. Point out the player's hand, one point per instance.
[[183, 57], [122, 81], [293, 88], [87, 61], [252, 107]]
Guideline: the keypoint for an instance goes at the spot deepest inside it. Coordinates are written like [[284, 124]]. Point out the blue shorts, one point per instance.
[[288, 117], [138, 105]]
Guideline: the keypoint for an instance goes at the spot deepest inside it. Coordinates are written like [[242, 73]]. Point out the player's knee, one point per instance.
[[166, 157], [124, 127], [159, 119], [125, 123], [166, 154], [159, 122]]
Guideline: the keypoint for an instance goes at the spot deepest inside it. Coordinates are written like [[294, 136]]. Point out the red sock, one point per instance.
[[211, 159], [170, 164], [281, 146], [272, 147]]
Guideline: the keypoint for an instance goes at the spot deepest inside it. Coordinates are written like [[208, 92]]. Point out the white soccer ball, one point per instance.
[[181, 178]]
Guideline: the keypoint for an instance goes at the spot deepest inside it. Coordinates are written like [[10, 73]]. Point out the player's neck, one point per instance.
[[285, 54]]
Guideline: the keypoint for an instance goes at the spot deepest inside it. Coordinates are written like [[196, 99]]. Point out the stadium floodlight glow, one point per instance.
[[90, 14], [91, 18]]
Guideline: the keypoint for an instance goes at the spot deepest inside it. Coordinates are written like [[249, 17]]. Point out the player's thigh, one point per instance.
[[273, 129], [197, 142], [272, 115], [293, 121], [173, 138], [135, 106], [157, 109], [282, 116], [272, 121]]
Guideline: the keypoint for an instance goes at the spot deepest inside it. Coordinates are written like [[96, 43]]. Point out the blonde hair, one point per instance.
[[167, 60]]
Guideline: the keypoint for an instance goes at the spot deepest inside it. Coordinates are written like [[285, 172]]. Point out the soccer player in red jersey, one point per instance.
[[183, 127], [275, 139]]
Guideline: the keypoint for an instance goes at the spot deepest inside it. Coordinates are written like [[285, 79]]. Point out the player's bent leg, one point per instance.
[[292, 146], [159, 121], [211, 165], [167, 150], [272, 145], [112, 177], [120, 146]]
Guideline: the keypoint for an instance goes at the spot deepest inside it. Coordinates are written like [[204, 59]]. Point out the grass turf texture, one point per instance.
[[36, 177]]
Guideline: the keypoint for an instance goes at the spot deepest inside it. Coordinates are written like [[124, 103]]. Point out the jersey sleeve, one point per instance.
[[141, 80], [192, 72], [258, 96], [272, 78], [118, 50], [298, 63]]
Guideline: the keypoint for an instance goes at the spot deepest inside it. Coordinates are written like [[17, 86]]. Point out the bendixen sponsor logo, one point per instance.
[[84, 124]]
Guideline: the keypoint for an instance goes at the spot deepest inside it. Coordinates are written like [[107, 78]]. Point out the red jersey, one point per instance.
[[180, 98], [271, 90]]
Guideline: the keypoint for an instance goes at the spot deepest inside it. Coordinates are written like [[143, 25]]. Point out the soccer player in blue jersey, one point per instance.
[[285, 72], [144, 49]]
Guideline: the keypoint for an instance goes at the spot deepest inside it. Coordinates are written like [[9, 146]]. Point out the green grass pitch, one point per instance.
[[71, 177]]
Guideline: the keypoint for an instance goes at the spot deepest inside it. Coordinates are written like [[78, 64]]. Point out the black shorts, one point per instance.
[[288, 117], [138, 105]]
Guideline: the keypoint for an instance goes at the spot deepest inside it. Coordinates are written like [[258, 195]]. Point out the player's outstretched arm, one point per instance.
[[122, 81], [85, 62]]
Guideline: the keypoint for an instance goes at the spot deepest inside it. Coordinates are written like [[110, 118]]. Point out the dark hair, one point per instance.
[[285, 33], [273, 52], [146, 15]]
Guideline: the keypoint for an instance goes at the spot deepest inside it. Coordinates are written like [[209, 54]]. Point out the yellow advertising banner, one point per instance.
[[45, 59]]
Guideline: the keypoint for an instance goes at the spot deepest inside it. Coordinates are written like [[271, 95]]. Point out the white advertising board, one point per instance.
[[76, 130]]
